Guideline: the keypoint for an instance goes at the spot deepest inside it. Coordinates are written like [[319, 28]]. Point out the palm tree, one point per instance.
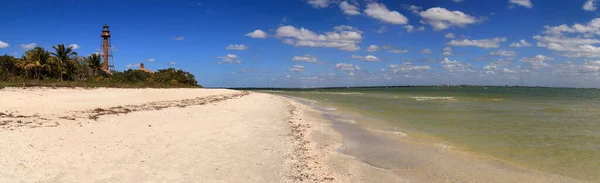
[[36, 60], [64, 55], [94, 62]]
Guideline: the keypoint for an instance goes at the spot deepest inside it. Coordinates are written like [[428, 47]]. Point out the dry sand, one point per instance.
[[166, 135]]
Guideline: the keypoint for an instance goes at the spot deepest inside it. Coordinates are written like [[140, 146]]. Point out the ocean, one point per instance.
[[555, 130]]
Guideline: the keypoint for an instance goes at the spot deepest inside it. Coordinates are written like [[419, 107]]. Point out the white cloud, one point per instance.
[[505, 53], [578, 40], [524, 3], [409, 28], [28, 46], [482, 43], [398, 51], [521, 43], [380, 12], [306, 58], [440, 18], [537, 61], [320, 3], [456, 66], [414, 9], [447, 51], [180, 38], [297, 68], [590, 5], [129, 66], [344, 38], [373, 48], [74, 46], [422, 28], [349, 9], [458, 1], [346, 67], [351, 74], [258, 34], [368, 58], [591, 66], [425, 51], [4, 44], [172, 63], [236, 47], [450, 36], [406, 67], [151, 60], [229, 59]]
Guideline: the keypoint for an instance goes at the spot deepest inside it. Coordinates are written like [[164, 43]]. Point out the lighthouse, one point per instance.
[[107, 58]]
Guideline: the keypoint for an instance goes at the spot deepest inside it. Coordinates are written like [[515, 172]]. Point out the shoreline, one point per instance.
[[441, 167], [174, 135]]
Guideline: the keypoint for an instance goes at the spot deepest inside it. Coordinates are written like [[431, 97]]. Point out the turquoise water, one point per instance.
[[551, 129]]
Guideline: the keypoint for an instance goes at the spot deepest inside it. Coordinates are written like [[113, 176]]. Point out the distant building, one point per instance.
[[142, 68]]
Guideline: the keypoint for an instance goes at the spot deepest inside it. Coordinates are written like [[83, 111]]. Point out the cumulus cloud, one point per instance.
[[456, 66], [590, 5], [74, 46], [229, 59], [521, 43], [450, 36], [537, 61], [524, 3], [505, 53], [447, 51], [172, 63], [306, 58], [320, 3], [578, 40], [458, 1], [344, 37], [406, 67], [373, 48], [368, 58], [409, 28], [382, 29], [349, 9], [258, 34], [236, 47], [179, 38], [414, 9], [297, 68], [482, 43], [28, 46], [441, 18], [380, 12], [4, 44], [151, 60], [346, 67], [129, 66], [425, 51], [398, 51]]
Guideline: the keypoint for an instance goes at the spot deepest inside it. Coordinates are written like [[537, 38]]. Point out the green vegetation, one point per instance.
[[65, 68]]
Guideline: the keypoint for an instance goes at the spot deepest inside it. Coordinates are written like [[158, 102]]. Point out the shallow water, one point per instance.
[[551, 129]]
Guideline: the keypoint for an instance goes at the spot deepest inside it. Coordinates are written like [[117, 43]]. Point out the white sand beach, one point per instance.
[[166, 135]]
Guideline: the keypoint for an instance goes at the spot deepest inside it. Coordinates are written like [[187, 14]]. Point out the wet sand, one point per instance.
[[414, 161]]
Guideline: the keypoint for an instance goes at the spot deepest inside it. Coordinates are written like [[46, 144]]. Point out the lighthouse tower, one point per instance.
[[107, 57]]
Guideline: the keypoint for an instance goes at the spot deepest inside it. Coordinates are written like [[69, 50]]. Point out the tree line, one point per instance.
[[63, 66]]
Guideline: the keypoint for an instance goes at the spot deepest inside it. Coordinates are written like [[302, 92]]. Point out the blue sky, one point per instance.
[[305, 43]]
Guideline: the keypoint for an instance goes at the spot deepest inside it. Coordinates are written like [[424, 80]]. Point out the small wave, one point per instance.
[[442, 146], [497, 99], [399, 133], [433, 98], [331, 108], [345, 93]]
